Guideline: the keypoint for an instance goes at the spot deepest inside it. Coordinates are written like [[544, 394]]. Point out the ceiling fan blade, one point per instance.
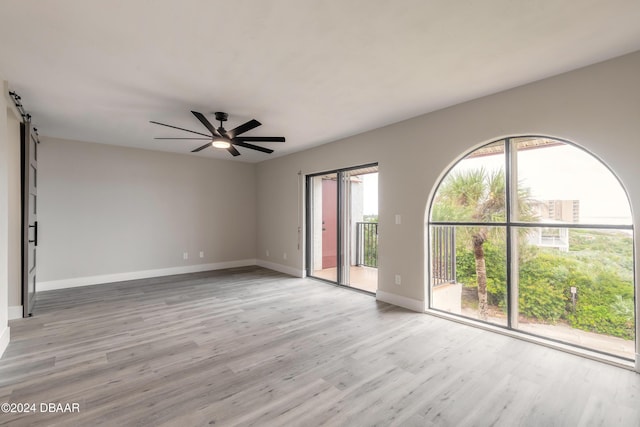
[[208, 144], [233, 151], [184, 138], [176, 127], [253, 147], [261, 138], [251, 124], [206, 123]]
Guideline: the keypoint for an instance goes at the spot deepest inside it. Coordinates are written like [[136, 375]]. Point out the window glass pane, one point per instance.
[[361, 235], [474, 189], [576, 286], [558, 182], [468, 269]]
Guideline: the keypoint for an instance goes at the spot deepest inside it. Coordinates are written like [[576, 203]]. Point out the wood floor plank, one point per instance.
[[250, 346]]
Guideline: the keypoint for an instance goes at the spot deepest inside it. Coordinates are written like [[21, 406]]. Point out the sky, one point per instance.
[[566, 172], [370, 182], [562, 172]]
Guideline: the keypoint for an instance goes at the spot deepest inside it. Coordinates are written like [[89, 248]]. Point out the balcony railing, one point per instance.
[[367, 244], [443, 250], [443, 254]]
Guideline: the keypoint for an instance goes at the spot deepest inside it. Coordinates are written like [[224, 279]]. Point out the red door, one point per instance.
[[329, 223]]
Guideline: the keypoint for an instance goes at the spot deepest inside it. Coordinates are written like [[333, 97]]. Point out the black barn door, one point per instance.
[[29, 215]]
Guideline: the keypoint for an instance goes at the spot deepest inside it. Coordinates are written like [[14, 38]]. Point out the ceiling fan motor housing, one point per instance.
[[221, 117]]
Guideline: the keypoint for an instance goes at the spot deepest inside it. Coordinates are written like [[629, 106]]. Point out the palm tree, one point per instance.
[[478, 196]]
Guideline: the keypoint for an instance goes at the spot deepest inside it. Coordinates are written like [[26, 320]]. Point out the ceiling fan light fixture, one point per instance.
[[220, 143]]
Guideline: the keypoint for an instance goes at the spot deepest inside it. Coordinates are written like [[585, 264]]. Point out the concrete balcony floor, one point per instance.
[[360, 277]]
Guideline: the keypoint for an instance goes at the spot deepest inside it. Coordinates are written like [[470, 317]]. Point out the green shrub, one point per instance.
[[541, 301], [603, 278], [602, 320]]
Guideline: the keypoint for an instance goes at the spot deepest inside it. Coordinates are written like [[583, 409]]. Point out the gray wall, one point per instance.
[[107, 210], [597, 107], [4, 215]]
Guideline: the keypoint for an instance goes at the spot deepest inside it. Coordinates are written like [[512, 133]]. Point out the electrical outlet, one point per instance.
[[398, 219], [185, 255], [267, 252], [201, 254], [284, 255], [398, 279]]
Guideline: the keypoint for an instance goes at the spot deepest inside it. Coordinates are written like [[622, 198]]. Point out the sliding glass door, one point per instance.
[[342, 227]]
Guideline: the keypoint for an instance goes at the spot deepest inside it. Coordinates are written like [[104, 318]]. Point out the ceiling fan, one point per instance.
[[222, 138]]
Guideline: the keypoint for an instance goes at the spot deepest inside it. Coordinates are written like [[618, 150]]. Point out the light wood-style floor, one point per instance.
[[249, 346]]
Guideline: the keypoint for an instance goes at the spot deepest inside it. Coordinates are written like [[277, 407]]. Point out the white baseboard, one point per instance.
[[145, 274], [408, 303], [4, 340], [281, 268], [15, 312]]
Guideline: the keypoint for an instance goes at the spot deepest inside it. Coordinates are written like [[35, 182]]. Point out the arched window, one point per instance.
[[535, 234]]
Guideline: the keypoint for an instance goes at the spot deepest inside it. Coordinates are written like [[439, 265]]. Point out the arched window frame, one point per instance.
[[510, 224]]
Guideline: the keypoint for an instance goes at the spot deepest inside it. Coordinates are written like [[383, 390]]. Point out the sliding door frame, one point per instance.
[[341, 210]]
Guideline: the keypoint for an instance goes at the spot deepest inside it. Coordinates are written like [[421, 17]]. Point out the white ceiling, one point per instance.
[[310, 70]]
